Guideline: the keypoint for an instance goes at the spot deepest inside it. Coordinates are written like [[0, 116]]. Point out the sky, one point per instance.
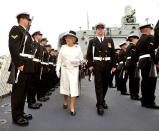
[[53, 17]]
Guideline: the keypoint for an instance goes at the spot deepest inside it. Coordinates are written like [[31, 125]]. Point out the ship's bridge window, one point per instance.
[[108, 31], [120, 32], [133, 27], [82, 38], [131, 32]]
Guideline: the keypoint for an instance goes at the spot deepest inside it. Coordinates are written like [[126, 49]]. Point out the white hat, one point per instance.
[[70, 33], [132, 36], [123, 43], [146, 26]]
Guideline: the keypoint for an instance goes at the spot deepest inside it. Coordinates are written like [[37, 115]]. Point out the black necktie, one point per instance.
[[100, 40]]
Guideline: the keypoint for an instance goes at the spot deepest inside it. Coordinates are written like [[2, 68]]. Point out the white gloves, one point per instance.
[[58, 74], [58, 71]]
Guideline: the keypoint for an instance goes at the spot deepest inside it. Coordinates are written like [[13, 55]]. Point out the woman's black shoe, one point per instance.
[[65, 106], [100, 111], [72, 113], [105, 106]]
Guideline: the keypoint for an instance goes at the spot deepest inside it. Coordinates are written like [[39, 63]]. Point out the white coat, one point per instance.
[[68, 61]]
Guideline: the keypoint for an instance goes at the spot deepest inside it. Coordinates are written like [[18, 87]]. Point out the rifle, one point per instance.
[[12, 76], [122, 72], [137, 71], [90, 73], [41, 70], [153, 70]]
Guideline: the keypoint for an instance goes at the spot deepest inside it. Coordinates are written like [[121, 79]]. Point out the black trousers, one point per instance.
[[33, 88], [121, 81], [101, 85], [134, 83], [117, 79], [18, 95], [52, 80], [44, 85], [148, 86], [111, 79]]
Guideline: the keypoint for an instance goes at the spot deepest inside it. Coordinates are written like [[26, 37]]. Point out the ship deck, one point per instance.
[[123, 114]]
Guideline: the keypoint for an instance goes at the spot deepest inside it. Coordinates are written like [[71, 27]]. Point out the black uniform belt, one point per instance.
[[102, 58]]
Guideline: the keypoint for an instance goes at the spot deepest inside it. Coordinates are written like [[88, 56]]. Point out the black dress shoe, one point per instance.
[[21, 121], [136, 98], [47, 98], [33, 106], [40, 104], [124, 93], [72, 113], [27, 116], [49, 93], [65, 106], [112, 87], [52, 89], [153, 106], [42, 99], [100, 111]]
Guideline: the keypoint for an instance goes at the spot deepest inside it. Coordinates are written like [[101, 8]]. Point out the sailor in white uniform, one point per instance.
[[68, 62]]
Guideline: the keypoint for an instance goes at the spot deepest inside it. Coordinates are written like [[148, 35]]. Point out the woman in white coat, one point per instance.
[[68, 62]]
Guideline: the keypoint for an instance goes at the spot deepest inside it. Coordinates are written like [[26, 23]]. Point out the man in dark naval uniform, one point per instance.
[[131, 66], [52, 74], [121, 70], [37, 53], [156, 41], [20, 47], [43, 71], [101, 59], [146, 52]]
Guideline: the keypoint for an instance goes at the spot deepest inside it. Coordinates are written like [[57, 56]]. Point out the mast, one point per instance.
[[87, 21]]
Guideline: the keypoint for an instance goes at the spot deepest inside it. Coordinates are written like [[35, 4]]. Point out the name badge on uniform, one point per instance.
[[109, 45]]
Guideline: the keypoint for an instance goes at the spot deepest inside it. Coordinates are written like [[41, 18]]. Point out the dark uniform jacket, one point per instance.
[[104, 49], [156, 41], [121, 58], [37, 51], [157, 56], [52, 59], [16, 45], [144, 46], [156, 35], [45, 59], [131, 52]]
